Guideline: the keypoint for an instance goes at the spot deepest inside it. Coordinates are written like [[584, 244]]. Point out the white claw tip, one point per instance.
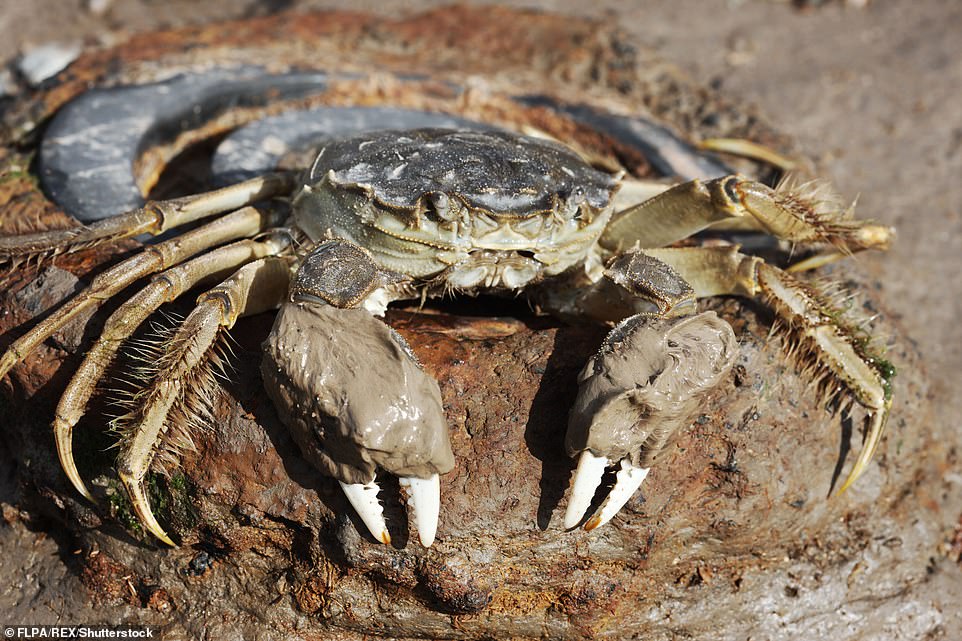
[[591, 469], [363, 497], [586, 481], [425, 498], [627, 481]]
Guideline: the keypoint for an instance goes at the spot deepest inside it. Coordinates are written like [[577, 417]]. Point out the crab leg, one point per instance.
[[186, 362], [798, 213], [165, 287], [154, 258], [153, 218], [842, 359]]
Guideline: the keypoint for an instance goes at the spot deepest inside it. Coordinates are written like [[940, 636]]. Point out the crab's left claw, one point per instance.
[[356, 400], [641, 388]]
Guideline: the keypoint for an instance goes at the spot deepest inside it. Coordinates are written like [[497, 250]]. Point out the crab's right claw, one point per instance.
[[645, 383], [357, 401]]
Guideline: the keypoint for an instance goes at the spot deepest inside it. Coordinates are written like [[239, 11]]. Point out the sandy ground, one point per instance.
[[873, 94]]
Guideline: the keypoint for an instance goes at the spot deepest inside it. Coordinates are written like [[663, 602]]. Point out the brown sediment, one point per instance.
[[353, 394], [648, 381]]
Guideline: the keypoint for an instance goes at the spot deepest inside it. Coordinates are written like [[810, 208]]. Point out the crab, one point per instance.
[[415, 214]]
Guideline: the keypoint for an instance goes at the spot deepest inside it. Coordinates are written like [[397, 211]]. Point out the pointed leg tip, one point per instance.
[[593, 523], [160, 534], [138, 500], [849, 480], [385, 538], [80, 487]]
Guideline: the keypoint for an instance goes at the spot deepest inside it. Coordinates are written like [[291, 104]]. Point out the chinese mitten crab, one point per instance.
[[415, 214]]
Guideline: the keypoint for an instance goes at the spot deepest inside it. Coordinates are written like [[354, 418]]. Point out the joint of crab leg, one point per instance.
[[241, 223], [425, 498], [363, 497], [153, 218], [586, 481]]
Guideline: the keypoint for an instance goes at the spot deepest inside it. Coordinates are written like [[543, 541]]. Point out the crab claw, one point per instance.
[[587, 479], [425, 497], [644, 385], [356, 400]]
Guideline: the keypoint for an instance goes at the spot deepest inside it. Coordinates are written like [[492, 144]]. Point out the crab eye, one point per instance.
[[576, 197]]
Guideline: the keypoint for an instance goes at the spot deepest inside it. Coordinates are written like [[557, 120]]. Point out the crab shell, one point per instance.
[[422, 200]]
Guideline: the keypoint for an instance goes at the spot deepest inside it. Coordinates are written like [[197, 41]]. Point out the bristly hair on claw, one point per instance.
[[156, 356], [818, 204]]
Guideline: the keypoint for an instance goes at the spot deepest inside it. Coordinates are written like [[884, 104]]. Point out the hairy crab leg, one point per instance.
[[165, 287], [154, 258], [838, 351], [799, 213], [153, 218], [184, 366]]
